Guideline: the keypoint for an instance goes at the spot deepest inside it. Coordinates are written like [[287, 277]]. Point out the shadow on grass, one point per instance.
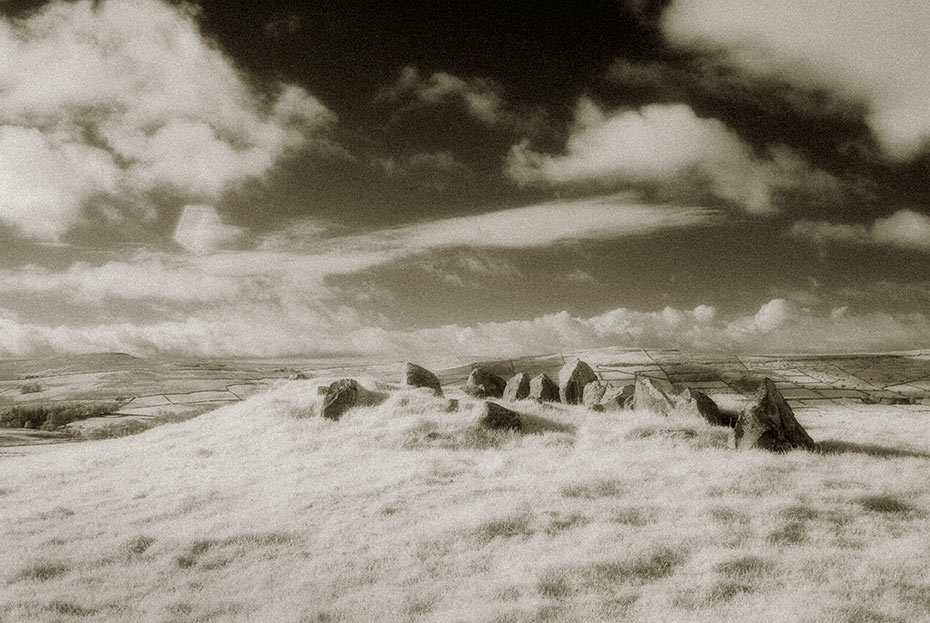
[[833, 446], [534, 424]]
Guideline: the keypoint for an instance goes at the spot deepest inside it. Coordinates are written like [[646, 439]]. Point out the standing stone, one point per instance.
[[619, 399], [593, 393], [654, 395], [484, 384], [494, 415], [418, 376], [573, 376], [769, 423], [701, 405], [544, 389], [518, 387], [340, 397]]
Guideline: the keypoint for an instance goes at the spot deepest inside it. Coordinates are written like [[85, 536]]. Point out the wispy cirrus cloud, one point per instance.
[[105, 105], [481, 98], [280, 262], [276, 299], [875, 53], [436, 170], [904, 229], [667, 146]]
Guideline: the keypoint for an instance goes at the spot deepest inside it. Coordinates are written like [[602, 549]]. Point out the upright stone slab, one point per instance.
[[484, 384], [573, 376], [593, 393], [654, 395], [769, 423], [544, 389], [518, 387], [619, 398], [496, 416], [340, 397], [701, 405], [418, 376]]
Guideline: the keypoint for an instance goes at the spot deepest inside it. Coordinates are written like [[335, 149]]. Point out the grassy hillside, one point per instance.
[[260, 512]]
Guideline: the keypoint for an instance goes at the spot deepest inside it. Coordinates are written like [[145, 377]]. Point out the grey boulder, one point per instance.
[[418, 376], [619, 399], [518, 387], [573, 377], [769, 423], [701, 405], [544, 389], [341, 396], [484, 384], [593, 393], [654, 395]]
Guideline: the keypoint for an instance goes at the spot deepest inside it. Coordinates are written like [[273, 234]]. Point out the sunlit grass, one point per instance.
[[262, 511]]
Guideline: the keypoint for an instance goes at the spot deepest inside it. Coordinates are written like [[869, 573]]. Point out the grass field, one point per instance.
[[401, 512]]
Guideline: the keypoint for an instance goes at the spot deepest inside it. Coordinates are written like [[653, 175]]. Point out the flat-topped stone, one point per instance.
[[341, 396], [418, 376], [484, 384]]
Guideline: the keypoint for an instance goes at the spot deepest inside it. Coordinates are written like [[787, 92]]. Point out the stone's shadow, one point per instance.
[[534, 425], [834, 446]]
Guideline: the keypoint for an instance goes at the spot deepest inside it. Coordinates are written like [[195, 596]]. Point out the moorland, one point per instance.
[[249, 506]]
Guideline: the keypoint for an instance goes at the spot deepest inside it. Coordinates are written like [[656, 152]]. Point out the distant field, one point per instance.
[[255, 512], [114, 394]]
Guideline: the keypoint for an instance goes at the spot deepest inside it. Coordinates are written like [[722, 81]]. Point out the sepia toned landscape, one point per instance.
[[408, 506], [464, 312]]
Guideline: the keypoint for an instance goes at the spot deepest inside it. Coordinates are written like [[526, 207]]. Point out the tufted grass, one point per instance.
[[400, 511]]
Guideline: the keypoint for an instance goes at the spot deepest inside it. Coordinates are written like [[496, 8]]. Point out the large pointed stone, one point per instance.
[[699, 404], [654, 395], [619, 398], [769, 423], [518, 387], [573, 376], [484, 384], [340, 397], [418, 376], [544, 389], [494, 415]]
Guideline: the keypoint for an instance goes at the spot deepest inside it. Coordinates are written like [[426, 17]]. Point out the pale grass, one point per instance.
[[261, 511]]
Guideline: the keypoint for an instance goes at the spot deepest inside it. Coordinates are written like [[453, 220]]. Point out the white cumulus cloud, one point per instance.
[[664, 145], [120, 99], [270, 331], [874, 52]]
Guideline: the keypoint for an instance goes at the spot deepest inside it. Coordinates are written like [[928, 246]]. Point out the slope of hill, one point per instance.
[[260, 511]]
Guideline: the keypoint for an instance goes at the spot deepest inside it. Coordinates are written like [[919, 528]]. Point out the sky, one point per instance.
[[463, 180]]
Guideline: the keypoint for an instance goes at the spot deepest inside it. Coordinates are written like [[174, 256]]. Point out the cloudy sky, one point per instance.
[[463, 179]]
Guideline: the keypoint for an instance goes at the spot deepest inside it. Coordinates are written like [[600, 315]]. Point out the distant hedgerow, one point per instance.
[[51, 416]]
